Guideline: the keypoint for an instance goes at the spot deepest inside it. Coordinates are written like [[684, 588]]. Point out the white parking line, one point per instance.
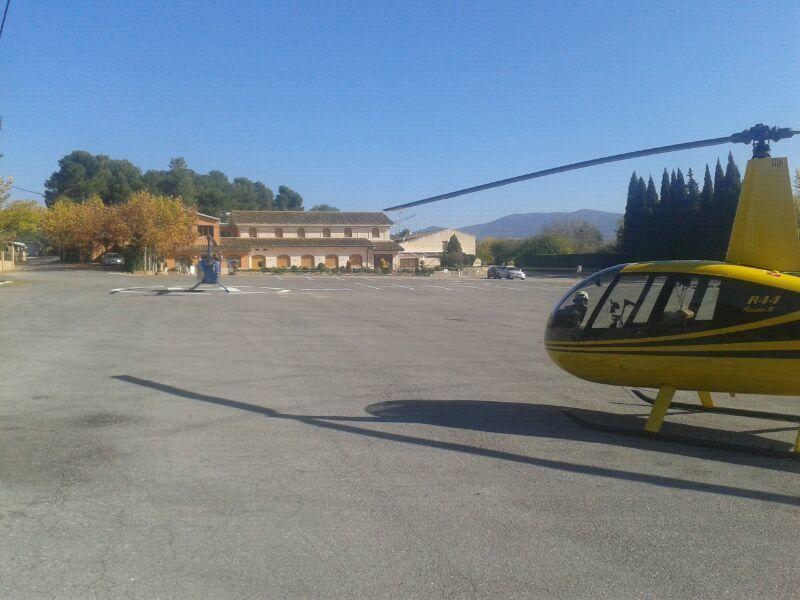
[[326, 289], [441, 287], [281, 278], [365, 285], [401, 286]]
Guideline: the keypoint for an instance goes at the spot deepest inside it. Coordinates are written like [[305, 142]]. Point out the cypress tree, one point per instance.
[[679, 194], [660, 232], [719, 183], [651, 197], [631, 232], [717, 228], [707, 195], [649, 245], [733, 181], [692, 192], [733, 187], [664, 186], [705, 217]]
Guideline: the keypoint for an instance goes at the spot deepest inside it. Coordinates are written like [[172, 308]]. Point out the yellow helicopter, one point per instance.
[[702, 326]]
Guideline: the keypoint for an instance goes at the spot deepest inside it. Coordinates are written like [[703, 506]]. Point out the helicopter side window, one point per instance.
[[646, 302], [620, 303], [686, 301]]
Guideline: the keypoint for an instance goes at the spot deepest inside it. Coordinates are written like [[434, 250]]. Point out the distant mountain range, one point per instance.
[[528, 224]]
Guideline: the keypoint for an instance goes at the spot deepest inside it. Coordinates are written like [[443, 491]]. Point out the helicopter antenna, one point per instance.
[[759, 135]]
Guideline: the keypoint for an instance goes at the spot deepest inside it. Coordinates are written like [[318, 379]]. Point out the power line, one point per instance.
[[14, 187], [5, 13]]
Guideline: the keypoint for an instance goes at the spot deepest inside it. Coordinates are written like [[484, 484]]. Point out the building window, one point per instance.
[[332, 261], [205, 230], [376, 232], [348, 232], [253, 232], [283, 261], [326, 232], [278, 232], [356, 261], [301, 233], [307, 261]]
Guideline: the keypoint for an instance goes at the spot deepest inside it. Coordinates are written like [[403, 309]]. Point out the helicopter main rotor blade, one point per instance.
[[570, 167]]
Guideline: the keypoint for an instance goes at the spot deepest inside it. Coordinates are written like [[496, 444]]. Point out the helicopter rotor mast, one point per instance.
[[759, 135]]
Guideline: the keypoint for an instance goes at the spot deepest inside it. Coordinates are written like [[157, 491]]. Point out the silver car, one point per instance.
[[112, 258], [511, 273]]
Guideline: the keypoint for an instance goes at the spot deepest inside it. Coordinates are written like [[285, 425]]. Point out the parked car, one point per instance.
[[511, 273], [492, 273], [112, 258]]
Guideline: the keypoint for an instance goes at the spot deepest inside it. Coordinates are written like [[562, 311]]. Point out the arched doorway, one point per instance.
[[307, 261], [356, 261], [332, 261], [283, 261], [258, 261]]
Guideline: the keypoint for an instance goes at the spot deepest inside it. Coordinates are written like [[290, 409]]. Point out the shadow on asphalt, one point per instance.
[[508, 418]]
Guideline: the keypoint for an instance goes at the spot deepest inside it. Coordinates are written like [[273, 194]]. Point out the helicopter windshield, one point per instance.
[[574, 310]]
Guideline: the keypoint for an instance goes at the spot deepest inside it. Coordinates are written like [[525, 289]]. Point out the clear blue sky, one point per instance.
[[363, 105]]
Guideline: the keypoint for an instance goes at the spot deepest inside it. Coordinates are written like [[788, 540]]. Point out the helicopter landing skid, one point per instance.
[[199, 283], [682, 439], [737, 412]]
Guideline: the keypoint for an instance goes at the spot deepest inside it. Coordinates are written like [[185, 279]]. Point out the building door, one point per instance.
[[307, 261], [377, 258], [283, 261], [332, 261], [356, 261]]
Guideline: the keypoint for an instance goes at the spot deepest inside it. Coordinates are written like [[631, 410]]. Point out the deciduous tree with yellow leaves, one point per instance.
[[149, 224]]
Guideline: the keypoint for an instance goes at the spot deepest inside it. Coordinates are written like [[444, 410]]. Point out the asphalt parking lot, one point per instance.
[[355, 437]]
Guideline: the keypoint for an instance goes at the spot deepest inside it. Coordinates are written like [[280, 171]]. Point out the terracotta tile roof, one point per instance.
[[386, 247], [247, 244], [300, 217]]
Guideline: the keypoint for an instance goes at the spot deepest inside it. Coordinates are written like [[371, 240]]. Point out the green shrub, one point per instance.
[[134, 259]]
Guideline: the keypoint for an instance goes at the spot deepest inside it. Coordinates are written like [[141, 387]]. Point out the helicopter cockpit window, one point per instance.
[[576, 308], [621, 302]]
